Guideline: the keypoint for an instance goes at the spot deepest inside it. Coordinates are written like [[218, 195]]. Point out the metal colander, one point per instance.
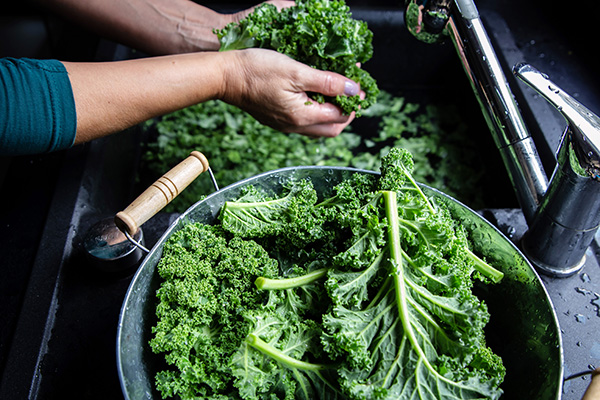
[[523, 328]]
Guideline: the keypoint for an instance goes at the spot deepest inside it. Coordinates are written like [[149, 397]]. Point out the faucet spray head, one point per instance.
[[583, 131], [427, 21]]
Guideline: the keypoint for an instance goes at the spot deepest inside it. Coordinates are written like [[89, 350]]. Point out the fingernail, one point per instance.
[[351, 88]]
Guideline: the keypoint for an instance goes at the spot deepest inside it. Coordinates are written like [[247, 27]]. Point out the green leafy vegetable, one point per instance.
[[207, 279], [267, 217], [239, 147], [363, 294], [319, 33]]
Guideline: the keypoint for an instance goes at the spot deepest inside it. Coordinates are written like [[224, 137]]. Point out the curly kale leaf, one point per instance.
[[281, 357], [254, 216], [417, 332], [396, 175], [207, 287], [319, 33]]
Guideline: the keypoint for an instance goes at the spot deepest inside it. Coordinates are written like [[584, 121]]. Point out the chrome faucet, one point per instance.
[[562, 214], [567, 219]]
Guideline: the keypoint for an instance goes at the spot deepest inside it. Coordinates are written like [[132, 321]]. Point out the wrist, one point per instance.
[[232, 76], [189, 27], [196, 28]]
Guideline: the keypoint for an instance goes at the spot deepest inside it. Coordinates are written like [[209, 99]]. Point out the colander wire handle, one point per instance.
[[162, 192]]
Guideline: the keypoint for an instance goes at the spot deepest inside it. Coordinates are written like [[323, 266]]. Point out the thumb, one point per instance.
[[328, 83]]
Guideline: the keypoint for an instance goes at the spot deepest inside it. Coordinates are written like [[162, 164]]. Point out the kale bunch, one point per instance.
[[319, 33], [363, 294]]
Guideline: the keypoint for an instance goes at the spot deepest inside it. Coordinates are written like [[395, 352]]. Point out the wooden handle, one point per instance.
[[593, 390], [161, 193]]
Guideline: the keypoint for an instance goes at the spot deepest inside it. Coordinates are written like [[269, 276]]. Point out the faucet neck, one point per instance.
[[498, 106]]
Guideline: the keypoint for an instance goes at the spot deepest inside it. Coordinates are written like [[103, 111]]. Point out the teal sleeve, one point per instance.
[[37, 109]]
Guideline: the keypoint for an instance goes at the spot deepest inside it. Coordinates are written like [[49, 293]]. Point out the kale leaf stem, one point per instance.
[[484, 268], [391, 211], [418, 188], [281, 284], [280, 356]]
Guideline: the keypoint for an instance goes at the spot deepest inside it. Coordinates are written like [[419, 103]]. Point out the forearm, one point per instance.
[[49, 105], [110, 97], [155, 27]]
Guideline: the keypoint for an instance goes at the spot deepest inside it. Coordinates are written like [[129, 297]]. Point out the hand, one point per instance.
[[237, 17], [198, 23], [273, 88]]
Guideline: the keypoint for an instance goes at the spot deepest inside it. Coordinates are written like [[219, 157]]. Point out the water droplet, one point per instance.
[[596, 303], [511, 231], [578, 344], [580, 318], [582, 290], [553, 89], [585, 278]]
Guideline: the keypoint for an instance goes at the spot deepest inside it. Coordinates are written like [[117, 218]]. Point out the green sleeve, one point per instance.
[[37, 109]]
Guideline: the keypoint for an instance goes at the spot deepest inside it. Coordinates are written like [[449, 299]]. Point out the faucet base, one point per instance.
[[567, 220], [552, 270]]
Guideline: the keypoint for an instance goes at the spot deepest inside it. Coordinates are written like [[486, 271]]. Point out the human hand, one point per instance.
[[237, 17], [273, 88], [197, 29]]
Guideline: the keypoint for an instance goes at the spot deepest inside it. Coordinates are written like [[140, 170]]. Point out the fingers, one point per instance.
[[328, 83], [274, 89], [322, 130], [324, 120]]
